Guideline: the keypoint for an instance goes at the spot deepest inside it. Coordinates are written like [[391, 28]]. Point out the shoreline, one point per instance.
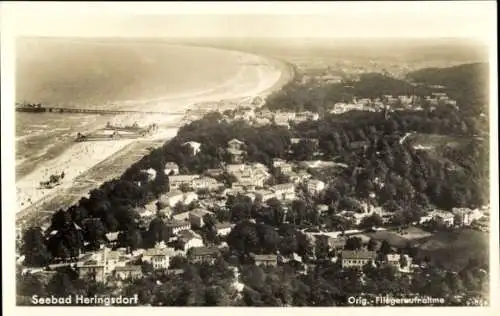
[[79, 159]]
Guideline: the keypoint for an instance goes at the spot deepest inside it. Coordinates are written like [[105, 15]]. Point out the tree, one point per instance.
[[353, 243], [65, 282], [94, 232], [157, 231], [34, 248], [372, 245], [60, 220], [131, 239], [373, 220], [385, 248], [403, 261], [243, 238], [29, 285]]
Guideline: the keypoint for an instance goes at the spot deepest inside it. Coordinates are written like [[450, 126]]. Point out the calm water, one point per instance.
[[97, 74]]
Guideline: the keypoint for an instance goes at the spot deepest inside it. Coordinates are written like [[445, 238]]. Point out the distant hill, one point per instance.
[[468, 84]]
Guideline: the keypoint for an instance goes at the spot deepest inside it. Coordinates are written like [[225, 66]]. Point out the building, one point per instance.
[[150, 173], [357, 259], [322, 208], [465, 216], [446, 217], [205, 183], [196, 217], [395, 259], [189, 239], [284, 191], [177, 181], [203, 254], [128, 272], [214, 172], [265, 195], [112, 238], [195, 147], [171, 168], [235, 144], [158, 257], [173, 227], [235, 155], [190, 197], [183, 216], [172, 198], [223, 229], [235, 168], [277, 162], [285, 168], [91, 269], [265, 260], [314, 187]]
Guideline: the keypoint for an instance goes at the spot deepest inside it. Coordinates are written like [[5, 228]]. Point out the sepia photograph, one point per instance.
[[342, 156]]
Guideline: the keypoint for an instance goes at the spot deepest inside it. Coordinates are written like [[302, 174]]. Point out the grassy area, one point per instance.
[[455, 249], [414, 233], [394, 239], [437, 141]]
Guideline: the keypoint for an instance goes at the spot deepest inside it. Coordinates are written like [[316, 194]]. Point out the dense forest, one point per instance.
[[467, 84]]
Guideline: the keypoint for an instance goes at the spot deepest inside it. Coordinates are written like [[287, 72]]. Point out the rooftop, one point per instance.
[[159, 252], [266, 257], [129, 268], [204, 251], [224, 225], [348, 254]]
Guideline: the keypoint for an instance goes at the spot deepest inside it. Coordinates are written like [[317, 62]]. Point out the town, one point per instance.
[[350, 190]]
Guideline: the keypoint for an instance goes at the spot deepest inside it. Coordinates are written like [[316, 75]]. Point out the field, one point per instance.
[[455, 249]]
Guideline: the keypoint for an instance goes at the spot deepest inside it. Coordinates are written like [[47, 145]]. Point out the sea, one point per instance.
[[96, 73]]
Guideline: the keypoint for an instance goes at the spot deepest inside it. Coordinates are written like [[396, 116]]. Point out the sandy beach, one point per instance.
[[258, 76]]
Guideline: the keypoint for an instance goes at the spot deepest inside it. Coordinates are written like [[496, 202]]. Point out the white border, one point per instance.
[[469, 19]]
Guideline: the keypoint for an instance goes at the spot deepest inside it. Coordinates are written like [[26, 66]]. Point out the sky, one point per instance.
[[270, 19]]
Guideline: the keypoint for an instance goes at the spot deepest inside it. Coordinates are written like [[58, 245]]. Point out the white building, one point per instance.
[[284, 191], [176, 181], [151, 173], [174, 227], [447, 217], [158, 257], [190, 197], [235, 144], [190, 239], [314, 187], [172, 198], [206, 183], [223, 229], [466, 215], [235, 168], [171, 168], [277, 162]]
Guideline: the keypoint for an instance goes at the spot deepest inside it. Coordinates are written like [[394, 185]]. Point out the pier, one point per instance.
[[91, 111]]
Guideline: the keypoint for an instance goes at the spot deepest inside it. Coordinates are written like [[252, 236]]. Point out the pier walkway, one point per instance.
[[93, 111]]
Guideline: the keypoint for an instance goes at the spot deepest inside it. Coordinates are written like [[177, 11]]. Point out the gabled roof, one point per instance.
[[235, 141]]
